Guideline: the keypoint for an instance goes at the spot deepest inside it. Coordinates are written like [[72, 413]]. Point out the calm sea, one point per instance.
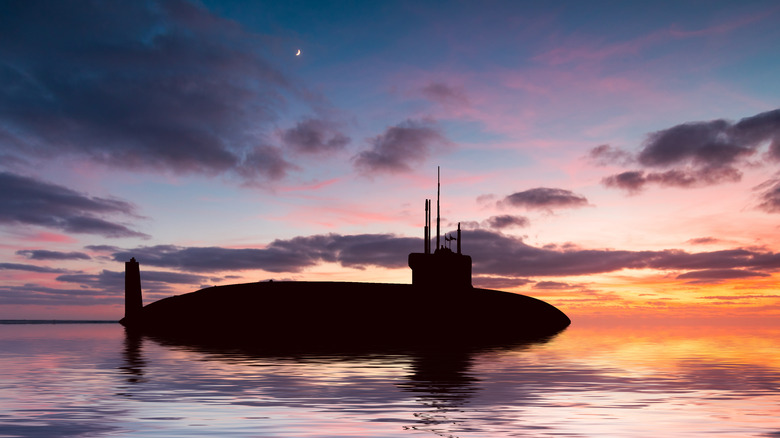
[[588, 381]]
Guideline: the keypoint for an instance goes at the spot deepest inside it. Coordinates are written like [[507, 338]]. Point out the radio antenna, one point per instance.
[[438, 195]]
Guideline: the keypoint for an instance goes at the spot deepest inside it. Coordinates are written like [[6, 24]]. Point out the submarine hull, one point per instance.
[[320, 313]]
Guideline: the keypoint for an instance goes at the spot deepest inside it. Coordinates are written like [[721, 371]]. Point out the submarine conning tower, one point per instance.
[[133, 299], [441, 270]]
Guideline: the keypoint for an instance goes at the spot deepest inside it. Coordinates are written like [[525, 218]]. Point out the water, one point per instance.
[[589, 381]]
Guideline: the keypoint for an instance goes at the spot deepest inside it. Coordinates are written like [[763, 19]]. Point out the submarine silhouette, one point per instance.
[[440, 307]]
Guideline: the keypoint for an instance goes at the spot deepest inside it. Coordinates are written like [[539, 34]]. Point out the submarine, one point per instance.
[[440, 307]]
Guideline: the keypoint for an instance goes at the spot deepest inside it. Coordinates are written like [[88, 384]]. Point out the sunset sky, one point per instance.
[[616, 159]]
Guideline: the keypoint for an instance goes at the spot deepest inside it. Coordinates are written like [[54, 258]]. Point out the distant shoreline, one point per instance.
[[54, 321]]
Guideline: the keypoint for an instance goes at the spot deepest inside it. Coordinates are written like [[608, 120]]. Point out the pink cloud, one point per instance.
[[47, 237]]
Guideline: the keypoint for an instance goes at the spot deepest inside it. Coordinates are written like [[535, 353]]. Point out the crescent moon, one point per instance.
[[299, 52]]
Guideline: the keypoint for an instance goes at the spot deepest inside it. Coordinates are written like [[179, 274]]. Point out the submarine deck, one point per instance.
[[362, 312]]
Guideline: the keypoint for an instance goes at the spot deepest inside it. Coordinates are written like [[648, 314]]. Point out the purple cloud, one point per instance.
[[32, 268], [495, 256], [553, 285], [770, 196], [293, 255], [314, 136], [702, 144], [716, 276], [545, 198], [605, 154], [34, 294], [507, 221], [720, 274], [401, 146], [263, 162], [42, 254], [150, 280], [493, 282], [704, 241], [142, 85], [29, 201], [634, 181], [445, 94], [698, 153]]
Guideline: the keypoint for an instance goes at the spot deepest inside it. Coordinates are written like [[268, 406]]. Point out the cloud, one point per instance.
[[501, 255], [313, 136], [704, 241], [553, 285], [34, 294], [42, 254], [545, 198], [605, 154], [634, 181], [698, 153], [716, 276], [493, 282], [32, 268], [720, 274], [264, 162], [102, 248], [494, 255], [139, 85], [507, 221], [29, 201], [293, 255], [770, 197], [150, 280], [401, 146], [706, 144], [444, 94]]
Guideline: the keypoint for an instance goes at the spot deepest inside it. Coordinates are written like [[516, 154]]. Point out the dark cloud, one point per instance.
[[32, 268], [605, 154], [634, 181], [708, 144], [497, 254], [291, 255], [545, 198], [34, 294], [400, 147], [138, 85], [492, 282], [29, 201], [102, 248], [769, 200], [553, 285], [42, 254], [716, 276], [264, 162], [720, 274], [764, 127], [698, 153], [314, 136], [150, 280], [494, 255], [507, 221], [704, 241], [445, 94]]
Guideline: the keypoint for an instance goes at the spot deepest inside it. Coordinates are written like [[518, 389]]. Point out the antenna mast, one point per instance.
[[438, 195]]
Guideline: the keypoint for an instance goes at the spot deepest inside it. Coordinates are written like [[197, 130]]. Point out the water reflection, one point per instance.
[[587, 381], [134, 361], [382, 384]]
